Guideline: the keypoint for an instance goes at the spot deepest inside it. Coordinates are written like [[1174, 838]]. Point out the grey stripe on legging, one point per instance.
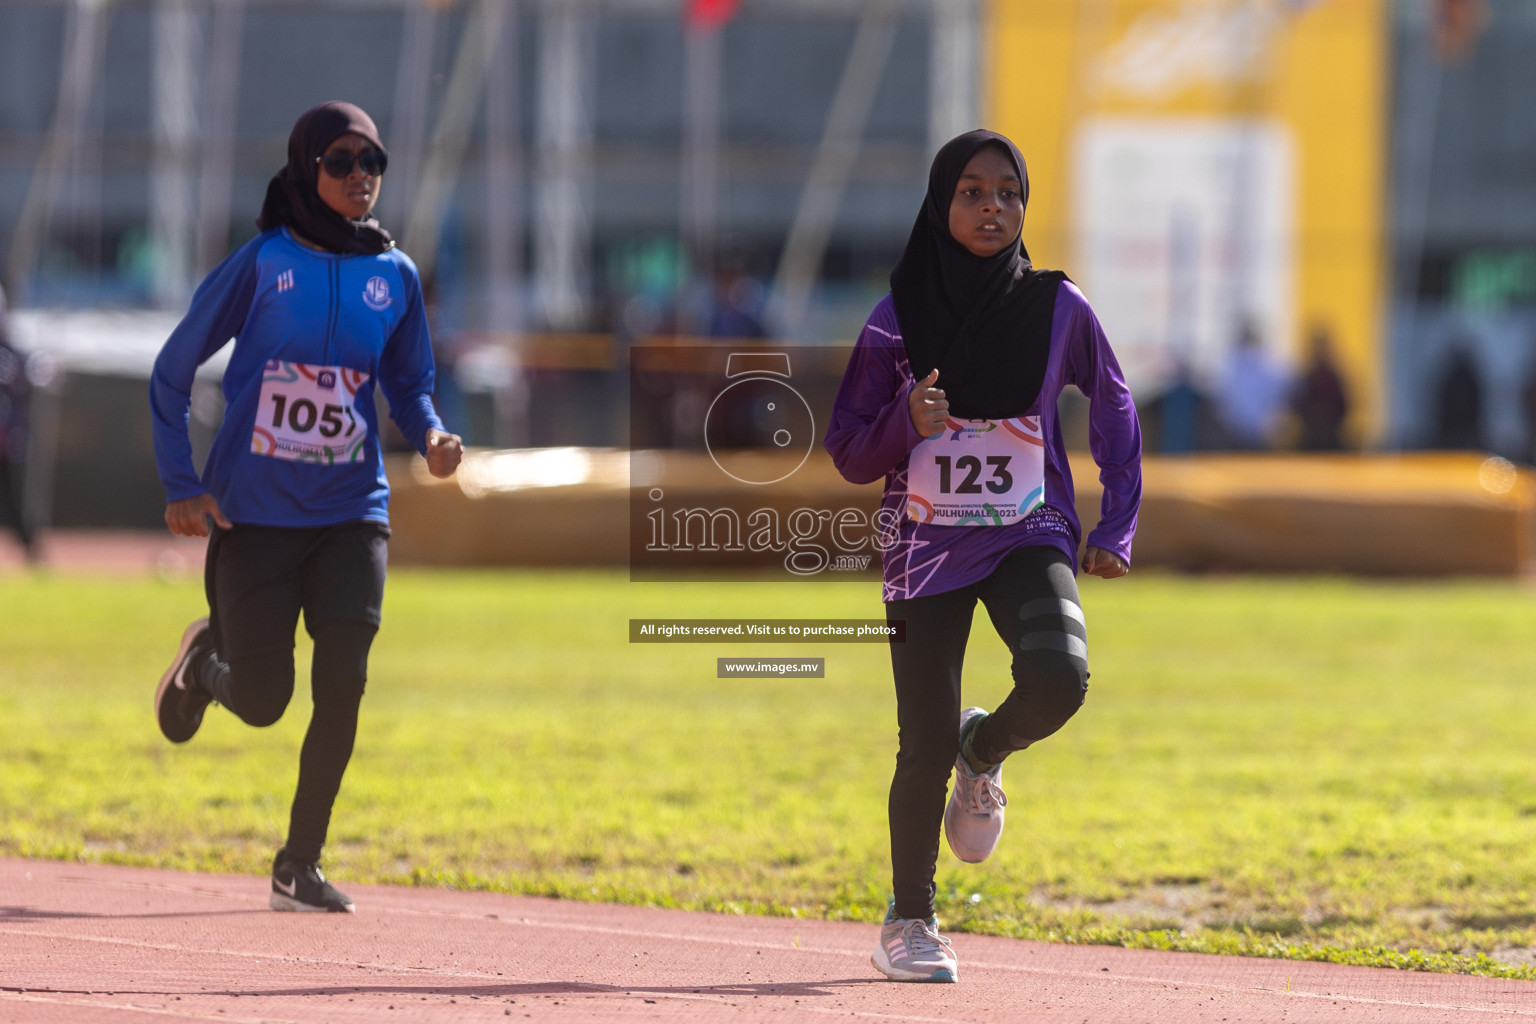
[[1051, 606], [1065, 642]]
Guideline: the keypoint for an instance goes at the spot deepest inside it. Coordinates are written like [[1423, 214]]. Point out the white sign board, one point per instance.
[[1184, 229]]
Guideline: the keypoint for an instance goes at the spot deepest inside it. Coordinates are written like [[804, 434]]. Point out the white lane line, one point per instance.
[[96, 1004], [1082, 975], [637, 933]]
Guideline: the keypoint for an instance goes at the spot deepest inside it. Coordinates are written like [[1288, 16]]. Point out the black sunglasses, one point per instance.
[[338, 165]]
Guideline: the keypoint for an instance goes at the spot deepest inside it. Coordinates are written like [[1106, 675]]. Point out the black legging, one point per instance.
[[258, 581], [1033, 603]]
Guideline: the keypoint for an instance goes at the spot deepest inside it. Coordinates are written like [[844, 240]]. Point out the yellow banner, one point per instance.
[[1196, 165]]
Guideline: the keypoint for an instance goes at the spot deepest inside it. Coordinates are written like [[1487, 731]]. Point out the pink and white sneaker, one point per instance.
[[973, 818], [912, 949]]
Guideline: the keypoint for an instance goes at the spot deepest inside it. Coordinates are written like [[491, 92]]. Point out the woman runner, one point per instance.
[[978, 501], [323, 308]]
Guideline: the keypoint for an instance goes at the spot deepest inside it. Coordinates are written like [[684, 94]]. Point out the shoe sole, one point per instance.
[[958, 855], [169, 678], [948, 830], [287, 904], [941, 976], [962, 858]]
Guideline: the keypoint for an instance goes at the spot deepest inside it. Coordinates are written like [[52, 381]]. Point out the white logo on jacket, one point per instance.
[[285, 281], [376, 293]]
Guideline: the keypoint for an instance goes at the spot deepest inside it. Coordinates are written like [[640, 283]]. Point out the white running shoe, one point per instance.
[[912, 949], [973, 818]]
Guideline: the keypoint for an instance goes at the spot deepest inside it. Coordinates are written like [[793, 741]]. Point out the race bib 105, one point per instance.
[[306, 414], [978, 473]]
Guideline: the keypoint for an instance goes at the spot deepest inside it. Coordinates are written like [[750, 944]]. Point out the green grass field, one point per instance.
[[1303, 768]]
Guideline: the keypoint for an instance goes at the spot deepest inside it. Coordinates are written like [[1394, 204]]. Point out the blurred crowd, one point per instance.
[[1257, 403], [15, 392]]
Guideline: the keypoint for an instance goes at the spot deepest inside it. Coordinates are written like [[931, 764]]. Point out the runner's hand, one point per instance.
[[1104, 564], [189, 516], [444, 452], [928, 406]]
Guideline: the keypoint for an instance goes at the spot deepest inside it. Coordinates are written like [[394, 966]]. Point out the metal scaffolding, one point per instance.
[[174, 128], [562, 239], [447, 131]]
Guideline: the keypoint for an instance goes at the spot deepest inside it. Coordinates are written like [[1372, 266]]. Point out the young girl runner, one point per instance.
[[323, 308], [950, 395]]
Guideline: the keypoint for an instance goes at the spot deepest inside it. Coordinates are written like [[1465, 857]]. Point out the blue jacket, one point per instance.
[[300, 319]]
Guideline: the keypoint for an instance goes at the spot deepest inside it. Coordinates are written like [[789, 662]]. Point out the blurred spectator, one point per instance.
[[1179, 409], [14, 401], [1459, 404], [1320, 399], [1528, 410], [1252, 393], [736, 305]]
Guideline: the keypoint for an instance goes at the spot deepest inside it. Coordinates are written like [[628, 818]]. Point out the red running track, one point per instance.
[[120, 945], [90, 943]]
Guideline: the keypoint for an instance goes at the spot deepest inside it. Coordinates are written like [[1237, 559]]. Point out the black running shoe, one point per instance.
[[179, 701], [303, 888]]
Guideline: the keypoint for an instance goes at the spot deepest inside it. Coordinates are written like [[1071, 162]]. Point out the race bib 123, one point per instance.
[[978, 473]]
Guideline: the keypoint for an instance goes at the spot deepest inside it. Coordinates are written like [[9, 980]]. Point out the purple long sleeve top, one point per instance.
[[871, 435]]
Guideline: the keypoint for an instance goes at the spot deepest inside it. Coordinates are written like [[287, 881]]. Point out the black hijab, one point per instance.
[[292, 198], [985, 322]]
